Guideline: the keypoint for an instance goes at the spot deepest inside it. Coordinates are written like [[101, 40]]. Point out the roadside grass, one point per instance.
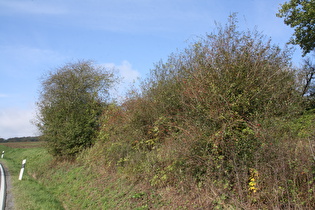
[[51, 184], [28, 193], [80, 187]]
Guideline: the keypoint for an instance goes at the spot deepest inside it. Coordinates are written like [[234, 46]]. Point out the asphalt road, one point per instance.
[[8, 203], [2, 188]]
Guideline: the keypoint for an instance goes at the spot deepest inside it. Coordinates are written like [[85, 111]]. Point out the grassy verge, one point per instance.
[[28, 193], [79, 186], [49, 184]]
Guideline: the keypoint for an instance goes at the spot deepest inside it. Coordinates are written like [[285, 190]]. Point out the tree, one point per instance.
[[71, 100], [300, 14], [307, 74]]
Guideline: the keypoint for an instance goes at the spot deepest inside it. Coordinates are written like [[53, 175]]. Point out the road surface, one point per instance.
[[6, 198]]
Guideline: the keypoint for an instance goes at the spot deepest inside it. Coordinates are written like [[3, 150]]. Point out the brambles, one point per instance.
[[207, 117], [219, 125]]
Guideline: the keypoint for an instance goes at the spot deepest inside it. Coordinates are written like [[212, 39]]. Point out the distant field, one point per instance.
[[24, 144]]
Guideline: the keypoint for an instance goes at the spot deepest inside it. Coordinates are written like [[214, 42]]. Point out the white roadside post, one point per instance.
[[2, 154], [22, 169]]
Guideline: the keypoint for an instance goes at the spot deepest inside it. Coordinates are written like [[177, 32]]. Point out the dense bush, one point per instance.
[[218, 125], [221, 88], [71, 100]]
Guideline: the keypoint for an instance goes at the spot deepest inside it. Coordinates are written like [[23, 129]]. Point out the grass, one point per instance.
[[79, 187], [28, 193], [50, 184]]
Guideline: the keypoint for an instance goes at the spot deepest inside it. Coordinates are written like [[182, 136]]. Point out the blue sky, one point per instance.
[[37, 36]]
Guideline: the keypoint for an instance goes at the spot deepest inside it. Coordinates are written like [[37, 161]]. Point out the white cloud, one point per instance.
[[16, 122], [125, 70], [129, 77]]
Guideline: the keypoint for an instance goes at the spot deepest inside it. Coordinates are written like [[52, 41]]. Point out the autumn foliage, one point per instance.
[[219, 125], [212, 123]]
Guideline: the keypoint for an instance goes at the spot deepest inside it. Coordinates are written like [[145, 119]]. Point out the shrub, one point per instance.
[[205, 121], [71, 100]]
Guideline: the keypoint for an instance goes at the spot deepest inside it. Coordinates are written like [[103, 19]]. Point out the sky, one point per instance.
[[37, 36]]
